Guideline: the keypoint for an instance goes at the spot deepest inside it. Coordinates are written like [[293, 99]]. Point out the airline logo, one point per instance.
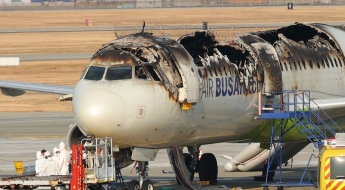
[[229, 86]]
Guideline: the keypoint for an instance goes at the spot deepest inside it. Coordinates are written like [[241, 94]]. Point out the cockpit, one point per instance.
[[123, 72]]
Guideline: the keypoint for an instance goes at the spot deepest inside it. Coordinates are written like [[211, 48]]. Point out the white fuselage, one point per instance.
[[136, 112]]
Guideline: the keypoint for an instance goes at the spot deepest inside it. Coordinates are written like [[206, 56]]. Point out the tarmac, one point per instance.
[[23, 134]]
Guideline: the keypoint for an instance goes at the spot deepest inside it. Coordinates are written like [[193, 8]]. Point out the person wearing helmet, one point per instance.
[[38, 162], [49, 166], [64, 159]]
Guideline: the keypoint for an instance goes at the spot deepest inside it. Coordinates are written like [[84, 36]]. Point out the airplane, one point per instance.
[[150, 93]]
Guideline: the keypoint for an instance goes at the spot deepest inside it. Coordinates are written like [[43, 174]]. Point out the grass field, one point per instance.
[[68, 72]]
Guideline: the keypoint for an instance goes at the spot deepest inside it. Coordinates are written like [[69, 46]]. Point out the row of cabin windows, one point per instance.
[[217, 71], [302, 64]]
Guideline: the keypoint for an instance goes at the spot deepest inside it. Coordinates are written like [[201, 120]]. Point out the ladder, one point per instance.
[[286, 110], [306, 115]]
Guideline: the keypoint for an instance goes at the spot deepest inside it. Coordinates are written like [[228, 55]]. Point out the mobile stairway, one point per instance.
[[286, 110]]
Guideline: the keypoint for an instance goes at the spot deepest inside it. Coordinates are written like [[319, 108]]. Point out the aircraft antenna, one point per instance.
[[142, 30], [115, 32]]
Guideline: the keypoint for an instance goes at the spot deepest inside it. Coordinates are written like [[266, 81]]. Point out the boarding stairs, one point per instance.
[[304, 113], [286, 110]]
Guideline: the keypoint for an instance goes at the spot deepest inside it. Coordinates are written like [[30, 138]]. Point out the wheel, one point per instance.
[[265, 188], [187, 160], [91, 187], [147, 185], [208, 168], [280, 188], [133, 185]]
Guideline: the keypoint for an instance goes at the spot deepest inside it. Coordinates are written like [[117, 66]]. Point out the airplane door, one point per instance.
[[190, 91]]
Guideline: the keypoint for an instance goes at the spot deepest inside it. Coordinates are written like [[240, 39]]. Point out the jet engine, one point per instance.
[[12, 92], [74, 136]]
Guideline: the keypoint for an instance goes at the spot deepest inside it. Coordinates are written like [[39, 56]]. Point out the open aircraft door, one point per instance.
[[189, 93]]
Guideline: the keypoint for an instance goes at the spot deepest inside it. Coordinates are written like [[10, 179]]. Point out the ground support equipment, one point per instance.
[[285, 110]]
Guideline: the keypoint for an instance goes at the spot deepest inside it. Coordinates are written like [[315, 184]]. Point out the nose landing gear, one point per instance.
[[143, 183]]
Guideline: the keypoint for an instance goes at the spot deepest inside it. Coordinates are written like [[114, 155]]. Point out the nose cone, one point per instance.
[[99, 112]]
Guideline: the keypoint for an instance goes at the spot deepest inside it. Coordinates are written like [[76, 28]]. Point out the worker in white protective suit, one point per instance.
[[56, 153], [55, 157], [64, 159], [38, 162], [49, 166]]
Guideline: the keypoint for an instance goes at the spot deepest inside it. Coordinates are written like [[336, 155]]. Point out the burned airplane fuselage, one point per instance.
[[198, 90]]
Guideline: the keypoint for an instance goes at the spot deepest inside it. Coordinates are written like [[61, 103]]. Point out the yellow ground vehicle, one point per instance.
[[332, 167]]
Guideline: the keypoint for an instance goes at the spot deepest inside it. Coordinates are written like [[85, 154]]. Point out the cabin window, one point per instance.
[[290, 66], [299, 65], [303, 63], [119, 73], [310, 64], [285, 66], [140, 73], [215, 71], [335, 61], [281, 66], [95, 73], [331, 62], [327, 63], [323, 64], [340, 62], [294, 63], [318, 64], [226, 74]]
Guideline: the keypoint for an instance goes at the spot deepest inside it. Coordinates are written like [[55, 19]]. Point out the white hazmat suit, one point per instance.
[[64, 159], [49, 166], [55, 157], [38, 162]]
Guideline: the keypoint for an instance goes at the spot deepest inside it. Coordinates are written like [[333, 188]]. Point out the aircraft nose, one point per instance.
[[99, 112]]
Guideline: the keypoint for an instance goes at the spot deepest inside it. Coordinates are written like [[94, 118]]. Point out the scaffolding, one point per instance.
[[285, 110]]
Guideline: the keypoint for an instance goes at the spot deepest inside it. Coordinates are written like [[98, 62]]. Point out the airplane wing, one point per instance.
[[14, 88]]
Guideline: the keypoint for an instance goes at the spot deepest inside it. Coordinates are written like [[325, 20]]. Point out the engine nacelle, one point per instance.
[[12, 92], [74, 136]]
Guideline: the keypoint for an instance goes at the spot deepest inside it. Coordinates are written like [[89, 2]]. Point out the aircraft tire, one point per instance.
[[208, 168], [133, 185], [147, 185]]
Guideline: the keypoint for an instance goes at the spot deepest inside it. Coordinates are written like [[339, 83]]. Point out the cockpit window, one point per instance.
[[140, 73], [119, 73], [94, 73]]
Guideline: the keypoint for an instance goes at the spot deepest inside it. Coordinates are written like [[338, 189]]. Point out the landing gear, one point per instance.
[[208, 168], [147, 185], [134, 185], [143, 184], [188, 161]]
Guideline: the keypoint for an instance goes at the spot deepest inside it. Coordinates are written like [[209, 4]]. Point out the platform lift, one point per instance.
[[99, 170], [285, 110]]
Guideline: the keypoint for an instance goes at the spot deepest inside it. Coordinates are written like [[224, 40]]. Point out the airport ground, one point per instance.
[[23, 134], [46, 120]]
